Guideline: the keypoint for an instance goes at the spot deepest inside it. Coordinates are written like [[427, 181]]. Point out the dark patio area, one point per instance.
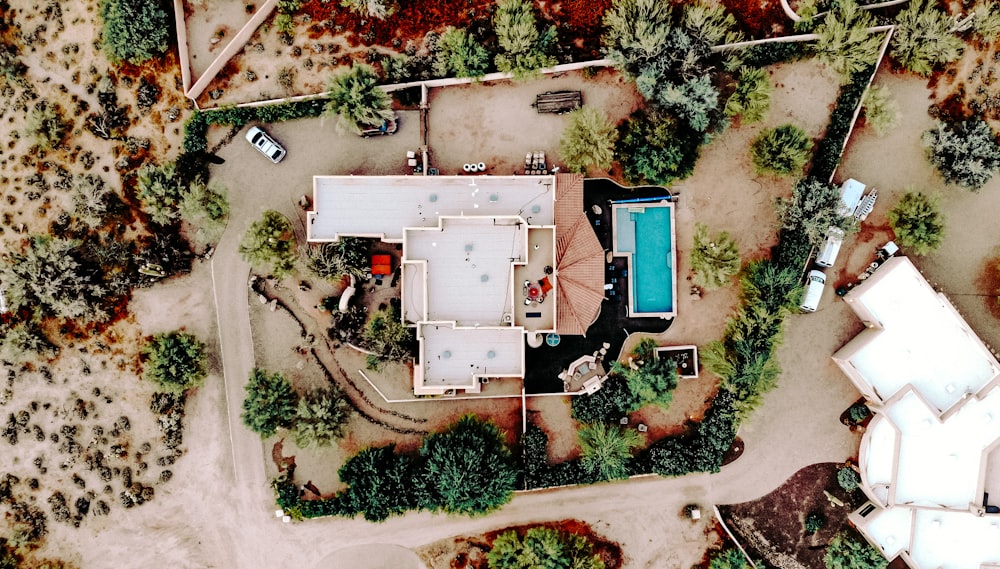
[[543, 364]]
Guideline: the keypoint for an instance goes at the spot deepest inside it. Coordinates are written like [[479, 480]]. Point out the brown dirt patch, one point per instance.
[[773, 526], [971, 85], [759, 18]]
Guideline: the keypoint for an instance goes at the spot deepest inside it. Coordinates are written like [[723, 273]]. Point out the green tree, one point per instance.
[[612, 402], [387, 336], [781, 150], [176, 361], [270, 403], [380, 483], [201, 202], [636, 32], [772, 287], [134, 30], [814, 522], [380, 9], [524, 49], [588, 140], [48, 277], [813, 209], [461, 54], [965, 153], [880, 109], [468, 469], [917, 222], [924, 38], [606, 449], [847, 551], [347, 256], [270, 241], [752, 97], [844, 43], [46, 125], [710, 23], [730, 558], [714, 259], [986, 21], [321, 417], [692, 100], [356, 99], [542, 548], [655, 148]]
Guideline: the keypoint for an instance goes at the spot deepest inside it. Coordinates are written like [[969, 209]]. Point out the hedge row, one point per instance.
[[196, 128], [830, 149]]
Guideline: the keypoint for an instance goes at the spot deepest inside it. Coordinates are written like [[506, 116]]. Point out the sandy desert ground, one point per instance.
[[211, 515]]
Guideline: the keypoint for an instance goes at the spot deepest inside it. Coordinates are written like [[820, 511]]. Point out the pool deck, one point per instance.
[[629, 239]]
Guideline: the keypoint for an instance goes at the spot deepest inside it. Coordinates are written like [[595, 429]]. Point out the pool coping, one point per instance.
[[615, 205]]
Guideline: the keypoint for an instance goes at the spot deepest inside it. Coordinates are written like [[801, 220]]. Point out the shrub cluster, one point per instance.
[[196, 128], [466, 469], [830, 148]]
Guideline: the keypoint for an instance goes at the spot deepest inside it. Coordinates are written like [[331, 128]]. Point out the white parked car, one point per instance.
[[815, 285], [265, 144]]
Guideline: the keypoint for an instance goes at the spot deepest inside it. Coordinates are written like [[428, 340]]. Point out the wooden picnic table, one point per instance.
[[558, 102]]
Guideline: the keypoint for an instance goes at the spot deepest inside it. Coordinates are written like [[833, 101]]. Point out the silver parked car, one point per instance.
[[265, 144]]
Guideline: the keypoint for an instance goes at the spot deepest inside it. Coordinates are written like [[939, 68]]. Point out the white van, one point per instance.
[[828, 254], [815, 284]]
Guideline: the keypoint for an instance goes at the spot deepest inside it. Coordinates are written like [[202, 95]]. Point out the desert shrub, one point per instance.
[[46, 125], [379, 9], [924, 38], [730, 558], [176, 361], [588, 140], [356, 99], [782, 150], [752, 97], [814, 522], [134, 30], [880, 109], [965, 153], [917, 222], [848, 551], [25, 339], [858, 412], [460, 54], [270, 241], [93, 200], [542, 547], [524, 46], [848, 479], [714, 259], [204, 204], [270, 403], [606, 450], [763, 55]]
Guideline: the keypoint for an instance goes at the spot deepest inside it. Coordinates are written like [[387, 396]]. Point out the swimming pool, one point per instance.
[[644, 234]]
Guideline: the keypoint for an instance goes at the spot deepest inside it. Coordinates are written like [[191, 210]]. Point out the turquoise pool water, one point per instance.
[[646, 234]]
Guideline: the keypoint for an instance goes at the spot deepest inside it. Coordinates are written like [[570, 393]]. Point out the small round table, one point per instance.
[[552, 339]]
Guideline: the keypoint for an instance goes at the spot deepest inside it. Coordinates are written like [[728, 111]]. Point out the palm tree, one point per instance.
[[714, 259], [356, 99], [924, 38], [752, 97], [607, 449], [321, 418], [588, 140], [844, 42]]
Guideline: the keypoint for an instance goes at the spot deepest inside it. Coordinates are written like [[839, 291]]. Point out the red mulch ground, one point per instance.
[[759, 18]]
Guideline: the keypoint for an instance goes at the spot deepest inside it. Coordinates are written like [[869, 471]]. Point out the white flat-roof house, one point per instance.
[[488, 264], [929, 459]]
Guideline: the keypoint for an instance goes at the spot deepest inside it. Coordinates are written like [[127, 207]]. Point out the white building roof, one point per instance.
[[382, 206], [458, 357], [925, 457]]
